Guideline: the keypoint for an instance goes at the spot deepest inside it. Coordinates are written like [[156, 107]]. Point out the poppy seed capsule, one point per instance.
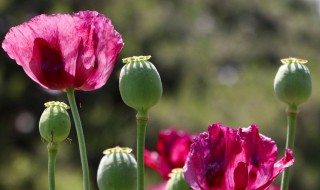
[[117, 170], [292, 83], [177, 181], [140, 84], [54, 125]]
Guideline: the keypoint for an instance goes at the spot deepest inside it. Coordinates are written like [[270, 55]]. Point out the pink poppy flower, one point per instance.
[[224, 158], [65, 51], [172, 150]]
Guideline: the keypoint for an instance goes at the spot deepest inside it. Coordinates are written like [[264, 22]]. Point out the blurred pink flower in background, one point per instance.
[[172, 149], [160, 186], [224, 158], [66, 51], [274, 187]]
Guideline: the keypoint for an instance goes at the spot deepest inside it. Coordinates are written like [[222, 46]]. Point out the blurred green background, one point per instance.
[[217, 60]]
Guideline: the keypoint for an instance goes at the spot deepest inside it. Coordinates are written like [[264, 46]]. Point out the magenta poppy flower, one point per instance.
[[66, 51], [224, 158], [172, 150]]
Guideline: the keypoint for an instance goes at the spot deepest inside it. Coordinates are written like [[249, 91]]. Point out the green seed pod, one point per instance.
[[140, 84], [54, 125], [117, 170], [292, 83], [177, 181]]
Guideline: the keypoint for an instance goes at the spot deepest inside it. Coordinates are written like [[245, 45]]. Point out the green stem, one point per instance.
[[52, 156], [291, 119], [142, 119], [82, 145]]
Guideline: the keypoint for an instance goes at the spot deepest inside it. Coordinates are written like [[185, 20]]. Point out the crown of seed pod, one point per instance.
[[117, 170], [140, 84], [54, 124], [177, 181], [292, 83]]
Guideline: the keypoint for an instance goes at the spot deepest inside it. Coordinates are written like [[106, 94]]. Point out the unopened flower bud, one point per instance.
[[177, 181], [117, 170], [292, 83], [140, 83], [54, 125]]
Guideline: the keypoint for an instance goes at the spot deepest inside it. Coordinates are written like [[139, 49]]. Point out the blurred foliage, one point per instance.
[[217, 60]]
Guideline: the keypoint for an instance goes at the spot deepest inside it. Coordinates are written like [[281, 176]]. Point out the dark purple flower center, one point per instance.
[[48, 64], [214, 174], [50, 57], [255, 160]]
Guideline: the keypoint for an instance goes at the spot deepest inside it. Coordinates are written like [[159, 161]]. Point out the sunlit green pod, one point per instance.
[[140, 84], [55, 124], [292, 83], [117, 170]]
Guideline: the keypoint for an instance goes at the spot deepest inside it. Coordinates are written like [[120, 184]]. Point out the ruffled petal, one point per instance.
[[36, 46], [261, 154], [62, 51], [279, 167], [207, 166], [106, 43]]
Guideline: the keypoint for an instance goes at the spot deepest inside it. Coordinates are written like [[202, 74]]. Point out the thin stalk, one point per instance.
[[142, 119], [82, 144], [291, 119], [52, 157]]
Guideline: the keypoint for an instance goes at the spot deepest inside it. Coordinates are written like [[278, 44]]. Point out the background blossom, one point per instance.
[[172, 149]]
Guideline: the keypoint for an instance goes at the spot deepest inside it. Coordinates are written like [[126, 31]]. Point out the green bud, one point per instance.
[[140, 84], [292, 83], [117, 170], [54, 125], [177, 181]]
